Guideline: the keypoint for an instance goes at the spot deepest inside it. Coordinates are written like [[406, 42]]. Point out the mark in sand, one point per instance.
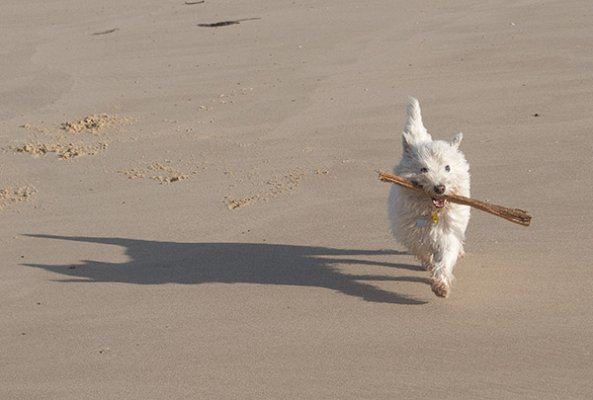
[[226, 23], [160, 172], [108, 31], [267, 190]]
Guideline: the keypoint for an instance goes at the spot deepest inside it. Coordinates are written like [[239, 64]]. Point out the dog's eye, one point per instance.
[[447, 168], [424, 170]]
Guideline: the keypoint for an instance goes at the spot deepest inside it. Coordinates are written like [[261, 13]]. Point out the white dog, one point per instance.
[[430, 227]]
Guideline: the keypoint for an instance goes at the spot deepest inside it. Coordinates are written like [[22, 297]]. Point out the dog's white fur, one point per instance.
[[430, 164]]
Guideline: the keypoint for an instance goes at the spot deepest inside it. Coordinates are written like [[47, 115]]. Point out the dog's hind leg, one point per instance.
[[442, 272]]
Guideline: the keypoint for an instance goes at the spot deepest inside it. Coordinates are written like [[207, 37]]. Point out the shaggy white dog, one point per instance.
[[430, 227]]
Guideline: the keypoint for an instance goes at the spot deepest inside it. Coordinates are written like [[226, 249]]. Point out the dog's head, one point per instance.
[[435, 165]]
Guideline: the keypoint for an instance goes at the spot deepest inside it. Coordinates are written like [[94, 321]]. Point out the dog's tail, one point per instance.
[[414, 130]]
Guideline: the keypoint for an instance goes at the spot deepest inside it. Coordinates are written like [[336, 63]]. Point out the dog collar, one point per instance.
[[424, 220]]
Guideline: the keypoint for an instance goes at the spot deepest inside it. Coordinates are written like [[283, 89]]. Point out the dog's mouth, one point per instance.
[[439, 202]]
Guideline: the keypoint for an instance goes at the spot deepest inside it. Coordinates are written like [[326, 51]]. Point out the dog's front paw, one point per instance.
[[440, 287]]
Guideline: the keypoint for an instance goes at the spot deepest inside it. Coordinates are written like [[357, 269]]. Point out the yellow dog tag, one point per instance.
[[435, 217]]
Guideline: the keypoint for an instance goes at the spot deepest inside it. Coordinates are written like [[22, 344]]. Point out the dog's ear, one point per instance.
[[414, 130], [456, 140], [407, 141]]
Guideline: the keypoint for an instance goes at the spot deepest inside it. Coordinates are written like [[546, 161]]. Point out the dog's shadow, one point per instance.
[[154, 262]]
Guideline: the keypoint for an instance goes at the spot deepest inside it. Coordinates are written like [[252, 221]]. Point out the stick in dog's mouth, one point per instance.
[[515, 215], [438, 202]]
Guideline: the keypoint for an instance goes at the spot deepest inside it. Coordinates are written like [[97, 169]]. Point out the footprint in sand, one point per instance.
[[10, 195], [163, 172], [269, 188], [60, 141]]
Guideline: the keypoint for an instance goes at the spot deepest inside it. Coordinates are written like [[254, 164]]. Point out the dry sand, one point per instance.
[[231, 241]]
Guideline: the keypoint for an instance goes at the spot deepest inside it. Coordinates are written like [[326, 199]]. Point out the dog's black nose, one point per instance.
[[439, 189]]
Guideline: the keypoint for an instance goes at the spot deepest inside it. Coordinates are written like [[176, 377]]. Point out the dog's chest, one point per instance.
[[429, 228], [428, 220]]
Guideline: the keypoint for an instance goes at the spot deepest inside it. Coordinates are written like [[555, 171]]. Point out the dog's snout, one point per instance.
[[439, 189]]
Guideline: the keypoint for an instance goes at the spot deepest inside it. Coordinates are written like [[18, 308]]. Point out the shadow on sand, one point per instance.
[[153, 262]]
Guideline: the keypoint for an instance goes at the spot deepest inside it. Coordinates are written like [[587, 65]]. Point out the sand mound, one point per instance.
[[64, 151], [94, 123], [56, 141]]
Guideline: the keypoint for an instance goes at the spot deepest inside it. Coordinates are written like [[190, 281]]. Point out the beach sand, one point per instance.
[[193, 212]]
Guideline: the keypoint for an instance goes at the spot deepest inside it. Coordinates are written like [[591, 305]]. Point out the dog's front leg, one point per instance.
[[444, 260]]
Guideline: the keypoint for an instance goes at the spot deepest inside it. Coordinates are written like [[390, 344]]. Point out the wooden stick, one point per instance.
[[515, 215]]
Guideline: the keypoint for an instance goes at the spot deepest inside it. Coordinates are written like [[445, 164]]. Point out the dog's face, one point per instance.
[[436, 166]]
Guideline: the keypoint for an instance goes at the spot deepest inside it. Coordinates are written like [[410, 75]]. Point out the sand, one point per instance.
[[228, 238]]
